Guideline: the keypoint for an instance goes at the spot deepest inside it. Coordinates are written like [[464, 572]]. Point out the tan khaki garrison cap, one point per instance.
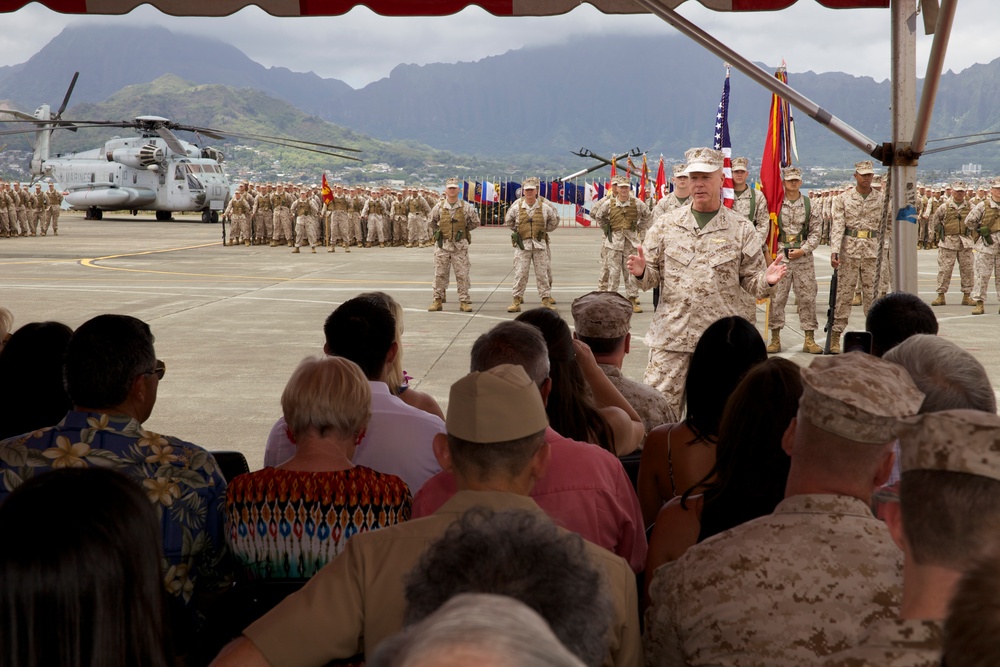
[[740, 164], [678, 170], [602, 315], [954, 440], [496, 405], [451, 183], [620, 180], [791, 174], [864, 167], [530, 184], [857, 396], [702, 160]]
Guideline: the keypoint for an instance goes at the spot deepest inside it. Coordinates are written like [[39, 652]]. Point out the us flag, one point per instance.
[[723, 143]]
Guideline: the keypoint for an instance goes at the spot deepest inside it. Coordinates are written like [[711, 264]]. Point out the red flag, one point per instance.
[[662, 189], [327, 192], [645, 176], [770, 169], [581, 216], [614, 171]]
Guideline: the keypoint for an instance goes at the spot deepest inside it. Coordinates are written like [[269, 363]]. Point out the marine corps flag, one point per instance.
[[776, 156], [327, 192], [662, 190]]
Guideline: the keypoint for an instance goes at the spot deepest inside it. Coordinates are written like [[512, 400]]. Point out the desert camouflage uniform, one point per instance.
[[397, 214], [649, 403], [702, 274], [417, 210], [955, 243], [801, 273], [668, 204], [626, 223], [375, 211], [782, 590], [533, 223], [895, 643], [263, 215], [12, 204], [853, 237], [21, 203], [5, 228], [34, 207], [986, 214], [53, 202], [752, 204], [454, 222], [239, 220], [338, 216], [281, 202], [306, 224], [924, 238], [354, 205]]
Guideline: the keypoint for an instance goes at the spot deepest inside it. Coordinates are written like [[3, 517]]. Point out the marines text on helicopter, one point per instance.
[[155, 171]]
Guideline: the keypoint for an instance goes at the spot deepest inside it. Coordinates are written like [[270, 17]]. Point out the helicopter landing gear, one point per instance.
[[93, 213], [163, 216], [209, 217]]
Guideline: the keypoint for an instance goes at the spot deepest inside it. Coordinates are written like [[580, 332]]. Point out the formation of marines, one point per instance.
[[24, 212]]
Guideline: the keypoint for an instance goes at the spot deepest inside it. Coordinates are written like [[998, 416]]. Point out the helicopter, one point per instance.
[[154, 171]]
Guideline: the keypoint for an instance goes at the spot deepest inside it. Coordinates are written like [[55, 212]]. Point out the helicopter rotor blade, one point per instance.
[[172, 141], [266, 137], [69, 91]]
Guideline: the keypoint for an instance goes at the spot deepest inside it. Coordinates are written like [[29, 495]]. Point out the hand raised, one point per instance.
[[777, 270], [637, 263]]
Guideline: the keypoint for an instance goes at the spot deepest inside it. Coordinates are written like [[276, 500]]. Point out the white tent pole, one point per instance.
[[904, 170], [935, 63]]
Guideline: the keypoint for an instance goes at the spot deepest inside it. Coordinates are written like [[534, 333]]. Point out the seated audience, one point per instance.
[[6, 325], [677, 456], [496, 449], [972, 628], [945, 521], [792, 587], [606, 419], [398, 438], [397, 379], [751, 469], [80, 573], [895, 317], [32, 391], [529, 559], [288, 522], [584, 489], [112, 376], [476, 629], [602, 321]]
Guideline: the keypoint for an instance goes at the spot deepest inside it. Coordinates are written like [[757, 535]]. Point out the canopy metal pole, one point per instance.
[[904, 169], [935, 63], [796, 99]]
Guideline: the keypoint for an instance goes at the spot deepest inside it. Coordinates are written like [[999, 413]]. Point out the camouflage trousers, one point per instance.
[[239, 229], [15, 227], [29, 223], [926, 234], [946, 266], [44, 220], [986, 265], [376, 228], [847, 282], [263, 225], [523, 259], [666, 372], [416, 229], [613, 268], [282, 224], [54, 212], [4, 221], [399, 230], [340, 229], [801, 277], [354, 228], [306, 226], [444, 260]]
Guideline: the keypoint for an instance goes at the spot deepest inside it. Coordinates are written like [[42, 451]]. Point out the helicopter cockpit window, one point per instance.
[[180, 172]]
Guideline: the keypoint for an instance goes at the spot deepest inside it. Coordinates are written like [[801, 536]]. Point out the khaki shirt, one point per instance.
[[895, 643], [782, 590], [701, 274], [953, 241], [358, 599]]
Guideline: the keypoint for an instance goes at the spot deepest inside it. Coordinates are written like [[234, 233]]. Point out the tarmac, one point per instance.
[[232, 323]]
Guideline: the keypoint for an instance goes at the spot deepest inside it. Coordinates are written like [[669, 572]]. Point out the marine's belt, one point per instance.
[[861, 233], [789, 239]]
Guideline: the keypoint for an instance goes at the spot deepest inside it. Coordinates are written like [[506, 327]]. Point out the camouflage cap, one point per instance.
[[451, 183], [864, 167], [702, 160], [620, 180], [959, 185], [678, 170], [602, 315], [954, 440], [791, 174], [857, 396], [495, 405], [995, 183], [530, 183], [740, 164]]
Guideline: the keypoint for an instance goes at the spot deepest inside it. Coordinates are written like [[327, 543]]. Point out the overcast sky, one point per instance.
[[361, 47]]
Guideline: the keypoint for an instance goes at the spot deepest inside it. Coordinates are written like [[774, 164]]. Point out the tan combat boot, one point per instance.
[[857, 299], [435, 307], [636, 308], [979, 309], [549, 303], [515, 305], [332, 248], [295, 249], [775, 344], [274, 244], [291, 244], [939, 301], [967, 300], [312, 248], [465, 307], [835, 343], [810, 345], [246, 243]]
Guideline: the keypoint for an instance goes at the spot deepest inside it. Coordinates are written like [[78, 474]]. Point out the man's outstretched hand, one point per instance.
[[637, 263], [777, 270]]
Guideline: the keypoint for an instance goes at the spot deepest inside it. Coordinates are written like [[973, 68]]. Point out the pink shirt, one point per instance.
[[585, 490]]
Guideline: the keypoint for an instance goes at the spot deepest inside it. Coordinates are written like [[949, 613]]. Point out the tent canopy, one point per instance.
[[403, 7]]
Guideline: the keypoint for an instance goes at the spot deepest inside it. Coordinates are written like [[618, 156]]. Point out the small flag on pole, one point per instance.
[[662, 189], [723, 143], [644, 178], [327, 192]]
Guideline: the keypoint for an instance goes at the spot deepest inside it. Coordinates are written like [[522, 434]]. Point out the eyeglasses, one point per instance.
[[159, 370]]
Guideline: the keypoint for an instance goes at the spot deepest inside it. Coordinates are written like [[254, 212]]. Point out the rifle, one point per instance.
[[829, 312]]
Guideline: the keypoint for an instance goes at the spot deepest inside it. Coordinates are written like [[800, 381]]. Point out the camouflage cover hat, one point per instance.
[[530, 183], [496, 405], [602, 315], [857, 396], [678, 170], [959, 185], [791, 174], [702, 160], [864, 167], [451, 183], [954, 440], [740, 164], [995, 183], [620, 180]]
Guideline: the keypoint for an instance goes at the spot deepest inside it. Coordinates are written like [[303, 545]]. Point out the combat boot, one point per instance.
[[291, 244], [775, 344], [979, 309], [312, 248], [246, 243], [967, 300], [465, 307], [810, 345], [295, 249], [636, 308], [835, 343], [515, 305], [274, 244], [549, 303], [381, 245], [939, 301], [857, 299], [332, 248], [435, 307]]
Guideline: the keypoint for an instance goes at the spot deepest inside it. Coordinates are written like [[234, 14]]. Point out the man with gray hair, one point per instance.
[[950, 377], [495, 446], [803, 582]]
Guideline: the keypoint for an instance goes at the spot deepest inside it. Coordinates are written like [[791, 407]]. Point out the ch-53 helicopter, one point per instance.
[[155, 171]]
